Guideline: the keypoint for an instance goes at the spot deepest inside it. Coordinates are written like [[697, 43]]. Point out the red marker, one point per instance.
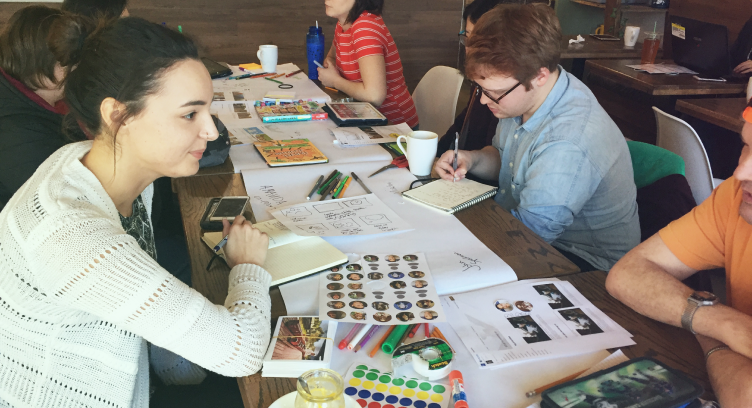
[[346, 340], [413, 331], [426, 331]]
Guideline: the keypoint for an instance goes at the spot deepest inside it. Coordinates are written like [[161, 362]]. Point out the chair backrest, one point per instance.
[[677, 136], [435, 98]]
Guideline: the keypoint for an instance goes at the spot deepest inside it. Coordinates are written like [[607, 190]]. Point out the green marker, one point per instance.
[[180, 29], [339, 188], [326, 183]]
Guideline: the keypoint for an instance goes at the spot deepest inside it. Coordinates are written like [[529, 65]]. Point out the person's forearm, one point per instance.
[[486, 162], [358, 91], [730, 375]]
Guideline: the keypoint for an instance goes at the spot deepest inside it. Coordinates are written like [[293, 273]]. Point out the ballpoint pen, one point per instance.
[[318, 183], [355, 176], [456, 150]]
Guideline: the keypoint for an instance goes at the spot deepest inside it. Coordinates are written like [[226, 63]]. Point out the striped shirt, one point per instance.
[[369, 36]]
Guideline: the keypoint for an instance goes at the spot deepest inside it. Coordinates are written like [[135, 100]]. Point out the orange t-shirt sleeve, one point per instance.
[[698, 238]]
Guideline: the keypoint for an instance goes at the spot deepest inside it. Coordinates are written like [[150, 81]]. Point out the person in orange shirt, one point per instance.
[[715, 234]]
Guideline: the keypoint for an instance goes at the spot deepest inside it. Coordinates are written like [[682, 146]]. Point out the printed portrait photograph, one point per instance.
[[419, 284], [337, 304], [554, 297], [356, 295], [523, 305], [335, 295], [402, 305], [504, 305], [371, 258], [580, 322], [375, 275], [335, 286], [410, 258], [334, 276], [357, 304], [358, 315], [424, 304], [405, 316], [416, 274], [530, 330], [354, 276], [398, 285], [380, 305], [354, 267], [428, 315], [355, 286], [301, 338], [396, 275], [336, 314], [382, 317], [392, 258]]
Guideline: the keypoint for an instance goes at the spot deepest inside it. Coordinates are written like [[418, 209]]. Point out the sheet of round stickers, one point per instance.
[[383, 289], [374, 389]]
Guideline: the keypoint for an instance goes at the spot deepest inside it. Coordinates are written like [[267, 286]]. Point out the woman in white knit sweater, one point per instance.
[[80, 291]]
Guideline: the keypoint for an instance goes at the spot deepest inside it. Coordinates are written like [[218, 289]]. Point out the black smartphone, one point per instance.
[[216, 70], [229, 208], [605, 37]]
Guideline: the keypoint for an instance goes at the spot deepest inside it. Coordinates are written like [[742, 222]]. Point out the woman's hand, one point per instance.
[[245, 244], [744, 68], [329, 74]]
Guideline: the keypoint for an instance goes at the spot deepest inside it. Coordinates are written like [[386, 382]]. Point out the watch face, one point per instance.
[[705, 298]]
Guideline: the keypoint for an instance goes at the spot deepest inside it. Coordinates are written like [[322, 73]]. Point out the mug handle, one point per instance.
[[258, 54], [402, 148]]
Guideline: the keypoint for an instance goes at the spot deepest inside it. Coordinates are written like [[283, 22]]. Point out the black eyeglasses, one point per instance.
[[496, 100]]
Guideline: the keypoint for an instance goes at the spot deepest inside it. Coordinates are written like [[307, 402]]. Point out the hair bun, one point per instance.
[[69, 36]]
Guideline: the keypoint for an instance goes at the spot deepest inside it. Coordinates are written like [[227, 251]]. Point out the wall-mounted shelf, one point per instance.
[[626, 8]]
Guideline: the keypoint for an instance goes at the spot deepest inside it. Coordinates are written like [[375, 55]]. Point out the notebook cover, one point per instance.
[[450, 196], [290, 152], [291, 112]]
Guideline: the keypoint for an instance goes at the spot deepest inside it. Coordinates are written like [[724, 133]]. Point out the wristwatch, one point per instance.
[[694, 302]]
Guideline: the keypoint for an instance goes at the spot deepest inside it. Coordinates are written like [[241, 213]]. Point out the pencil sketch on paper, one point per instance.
[[358, 202], [315, 229], [345, 224], [296, 212], [375, 219], [363, 215], [328, 207]]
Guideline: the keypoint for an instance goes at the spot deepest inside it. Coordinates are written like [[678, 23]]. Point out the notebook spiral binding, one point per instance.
[[474, 201]]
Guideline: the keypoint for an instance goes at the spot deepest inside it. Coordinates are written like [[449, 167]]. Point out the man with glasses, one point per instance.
[[563, 166]]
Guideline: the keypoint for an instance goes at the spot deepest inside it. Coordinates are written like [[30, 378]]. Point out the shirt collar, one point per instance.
[[560, 87], [59, 108]]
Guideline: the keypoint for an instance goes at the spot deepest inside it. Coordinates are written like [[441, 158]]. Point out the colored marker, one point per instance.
[[459, 397], [426, 331], [180, 29], [344, 188], [318, 183], [404, 336], [413, 331], [383, 339], [343, 343], [341, 186], [355, 176], [358, 336], [366, 338], [328, 180], [331, 187]]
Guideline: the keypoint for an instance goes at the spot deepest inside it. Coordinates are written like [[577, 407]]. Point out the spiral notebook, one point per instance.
[[450, 196]]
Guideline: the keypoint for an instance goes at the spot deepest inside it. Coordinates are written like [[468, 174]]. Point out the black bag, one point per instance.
[[216, 150]]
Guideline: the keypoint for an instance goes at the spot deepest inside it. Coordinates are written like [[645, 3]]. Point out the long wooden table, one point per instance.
[[592, 48], [523, 250], [723, 112]]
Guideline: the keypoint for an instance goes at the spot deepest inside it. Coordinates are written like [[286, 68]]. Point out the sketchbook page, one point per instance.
[[381, 289], [446, 195], [318, 132], [458, 264], [485, 388], [365, 135], [527, 322], [362, 215], [254, 89], [278, 234]]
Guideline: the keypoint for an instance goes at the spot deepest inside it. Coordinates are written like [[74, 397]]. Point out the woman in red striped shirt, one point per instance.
[[364, 62]]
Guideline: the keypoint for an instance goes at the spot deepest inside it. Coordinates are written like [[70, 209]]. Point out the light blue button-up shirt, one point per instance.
[[566, 173]]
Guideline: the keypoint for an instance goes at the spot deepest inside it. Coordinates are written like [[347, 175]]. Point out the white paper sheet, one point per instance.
[[362, 215], [358, 136], [247, 135], [526, 321], [381, 289], [229, 112], [662, 69], [458, 260], [254, 89]]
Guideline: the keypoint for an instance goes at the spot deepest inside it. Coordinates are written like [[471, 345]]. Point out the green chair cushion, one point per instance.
[[651, 163]]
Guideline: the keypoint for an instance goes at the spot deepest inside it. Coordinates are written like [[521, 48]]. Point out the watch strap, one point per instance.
[[714, 349], [689, 313]]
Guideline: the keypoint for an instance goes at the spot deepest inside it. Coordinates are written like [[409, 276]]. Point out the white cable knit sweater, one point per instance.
[[78, 299]]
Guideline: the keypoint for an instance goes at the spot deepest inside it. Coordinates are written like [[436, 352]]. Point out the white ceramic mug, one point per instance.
[[421, 151], [630, 35], [267, 54], [749, 90]]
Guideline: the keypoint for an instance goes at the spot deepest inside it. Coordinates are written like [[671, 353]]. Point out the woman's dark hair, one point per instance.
[[95, 8], [477, 8], [371, 6], [122, 59], [24, 53]]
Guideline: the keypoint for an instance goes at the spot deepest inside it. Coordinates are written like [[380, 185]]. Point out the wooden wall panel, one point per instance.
[[731, 13], [231, 30]]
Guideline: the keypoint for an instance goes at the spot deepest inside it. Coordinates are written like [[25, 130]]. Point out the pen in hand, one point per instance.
[[456, 150]]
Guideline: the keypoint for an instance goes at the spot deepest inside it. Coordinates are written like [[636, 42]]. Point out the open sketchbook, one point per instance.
[[451, 196], [290, 256]]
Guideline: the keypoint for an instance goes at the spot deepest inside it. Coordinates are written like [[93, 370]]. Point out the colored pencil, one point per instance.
[[366, 338], [413, 331], [438, 334], [425, 328], [343, 343], [539, 390], [293, 73], [377, 347], [404, 336]]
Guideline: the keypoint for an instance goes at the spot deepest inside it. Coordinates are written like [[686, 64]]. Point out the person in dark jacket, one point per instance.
[[741, 51], [31, 107]]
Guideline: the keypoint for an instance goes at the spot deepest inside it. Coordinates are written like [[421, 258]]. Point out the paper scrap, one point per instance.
[[362, 215], [662, 69], [578, 40], [358, 136]]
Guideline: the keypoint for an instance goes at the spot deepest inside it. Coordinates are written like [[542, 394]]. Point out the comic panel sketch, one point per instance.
[[375, 219], [357, 202], [295, 212], [328, 207], [314, 228], [348, 223]]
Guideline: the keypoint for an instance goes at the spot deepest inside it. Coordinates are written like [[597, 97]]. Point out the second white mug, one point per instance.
[[630, 35], [267, 54], [421, 151]]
